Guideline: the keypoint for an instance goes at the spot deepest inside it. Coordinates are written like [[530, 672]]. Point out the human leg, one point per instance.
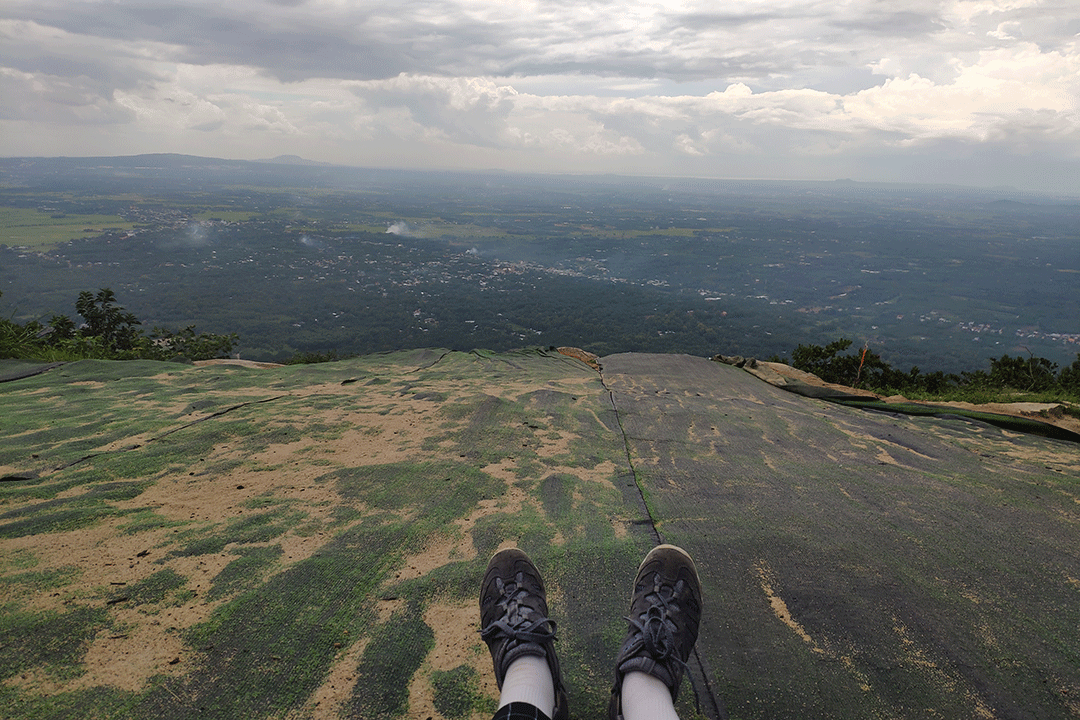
[[665, 613], [528, 680], [644, 697], [514, 623]]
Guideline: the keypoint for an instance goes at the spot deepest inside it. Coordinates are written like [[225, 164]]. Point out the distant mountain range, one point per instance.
[[295, 160]]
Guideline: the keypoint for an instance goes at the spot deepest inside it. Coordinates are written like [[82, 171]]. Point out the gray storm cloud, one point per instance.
[[789, 89]]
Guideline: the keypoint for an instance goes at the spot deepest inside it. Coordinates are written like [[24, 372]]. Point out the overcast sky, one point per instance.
[[980, 92]]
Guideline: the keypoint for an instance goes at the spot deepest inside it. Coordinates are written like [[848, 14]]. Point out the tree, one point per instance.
[[1069, 377], [164, 344], [108, 332], [116, 330]]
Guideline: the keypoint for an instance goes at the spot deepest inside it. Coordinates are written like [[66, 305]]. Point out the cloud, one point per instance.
[[544, 84], [379, 39], [463, 110], [50, 74]]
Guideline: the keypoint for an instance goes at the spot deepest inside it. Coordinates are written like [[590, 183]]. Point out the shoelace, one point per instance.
[[656, 637], [515, 623]]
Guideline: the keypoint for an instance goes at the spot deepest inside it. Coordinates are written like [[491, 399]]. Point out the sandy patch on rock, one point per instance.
[[108, 560], [441, 550], [148, 640], [457, 642], [778, 374], [126, 660], [780, 608]]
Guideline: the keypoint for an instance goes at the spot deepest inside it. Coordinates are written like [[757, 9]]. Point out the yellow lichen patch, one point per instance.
[[918, 657], [779, 607]]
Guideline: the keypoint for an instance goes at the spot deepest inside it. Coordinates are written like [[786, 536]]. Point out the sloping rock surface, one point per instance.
[[227, 541]]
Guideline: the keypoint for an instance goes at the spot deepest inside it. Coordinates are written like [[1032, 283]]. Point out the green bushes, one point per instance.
[[107, 333], [1007, 375]]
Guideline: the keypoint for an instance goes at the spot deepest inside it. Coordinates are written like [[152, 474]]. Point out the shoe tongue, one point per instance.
[[517, 612]]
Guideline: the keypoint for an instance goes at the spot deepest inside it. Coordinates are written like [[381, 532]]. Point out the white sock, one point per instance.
[[528, 679], [646, 698]]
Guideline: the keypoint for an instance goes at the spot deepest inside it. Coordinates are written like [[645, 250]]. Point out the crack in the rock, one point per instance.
[[711, 706]]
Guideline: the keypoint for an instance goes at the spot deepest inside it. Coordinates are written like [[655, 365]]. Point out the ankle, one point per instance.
[[528, 679], [645, 697]]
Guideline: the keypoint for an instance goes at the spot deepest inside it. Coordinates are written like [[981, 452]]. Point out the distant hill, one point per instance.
[[295, 160], [154, 160]]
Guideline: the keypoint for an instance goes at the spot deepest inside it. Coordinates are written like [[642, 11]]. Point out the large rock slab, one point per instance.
[[860, 564], [307, 541]]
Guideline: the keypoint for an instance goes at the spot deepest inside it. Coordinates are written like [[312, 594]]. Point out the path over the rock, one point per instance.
[[306, 542]]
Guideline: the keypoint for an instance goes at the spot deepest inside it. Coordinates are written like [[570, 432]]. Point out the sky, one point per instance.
[[969, 92]]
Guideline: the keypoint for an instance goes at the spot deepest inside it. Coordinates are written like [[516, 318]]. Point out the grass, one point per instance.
[[43, 579], [55, 641], [981, 396], [281, 636], [154, 589], [33, 229], [440, 491], [94, 702], [244, 572], [395, 652], [242, 531], [36, 489], [456, 694], [143, 520], [54, 516]]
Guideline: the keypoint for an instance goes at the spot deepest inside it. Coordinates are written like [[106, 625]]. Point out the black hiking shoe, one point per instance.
[[514, 619], [665, 611]]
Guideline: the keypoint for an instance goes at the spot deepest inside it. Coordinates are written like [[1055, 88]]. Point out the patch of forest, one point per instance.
[[320, 260]]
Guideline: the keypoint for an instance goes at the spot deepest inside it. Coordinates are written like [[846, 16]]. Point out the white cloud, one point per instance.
[[545, 85]]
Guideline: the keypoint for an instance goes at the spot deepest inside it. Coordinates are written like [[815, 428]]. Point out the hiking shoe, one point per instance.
[[665, 611], [514, 619]]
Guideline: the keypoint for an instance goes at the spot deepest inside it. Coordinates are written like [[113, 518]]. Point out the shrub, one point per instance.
[[108, 332]]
